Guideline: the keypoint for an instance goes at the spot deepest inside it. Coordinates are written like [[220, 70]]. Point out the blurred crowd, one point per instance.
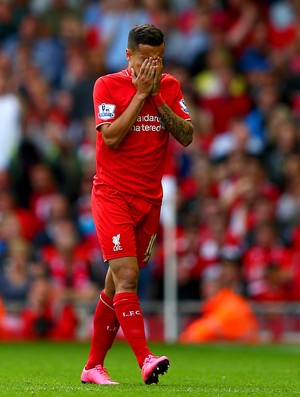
[[238, 197]]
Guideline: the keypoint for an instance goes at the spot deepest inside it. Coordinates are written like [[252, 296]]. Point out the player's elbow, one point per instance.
[[188, 137], [110, 139], [188, 140], [111, 143]]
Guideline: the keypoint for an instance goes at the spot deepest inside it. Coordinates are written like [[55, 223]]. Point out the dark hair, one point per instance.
[[145, 34]]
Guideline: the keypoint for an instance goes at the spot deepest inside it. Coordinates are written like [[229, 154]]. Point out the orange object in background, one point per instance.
[[227, 316]]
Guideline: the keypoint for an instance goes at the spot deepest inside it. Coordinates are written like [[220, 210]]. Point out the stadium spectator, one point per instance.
[[160, 13], [44, 50], [78, 79], [44, 186], [237, 138], [42, 112], [117, 19], [67, 263], [239, 21], [192, 36], [219, 85], [294, 291], [282, 19], [15, 275], [26, 156], [10, 229], [265, 97], [256, 58], [189, 263], [243, 194], [214, 233], [54, 12], [284, 142], [59, 210], [26, 218], [267, 249], [45, 316], [8, 22]]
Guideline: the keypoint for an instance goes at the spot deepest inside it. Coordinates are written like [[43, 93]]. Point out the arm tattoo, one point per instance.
[[181, 129]]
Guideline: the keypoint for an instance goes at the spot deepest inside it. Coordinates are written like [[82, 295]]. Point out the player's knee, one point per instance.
[[127, 279]]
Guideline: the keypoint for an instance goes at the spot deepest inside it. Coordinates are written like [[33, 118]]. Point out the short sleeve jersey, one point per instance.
[[136, 166]]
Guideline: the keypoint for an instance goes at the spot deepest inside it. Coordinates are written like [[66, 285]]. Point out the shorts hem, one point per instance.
[[120, 255]]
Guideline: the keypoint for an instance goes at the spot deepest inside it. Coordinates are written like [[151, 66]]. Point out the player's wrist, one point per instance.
[[141, 96], [158, 99]]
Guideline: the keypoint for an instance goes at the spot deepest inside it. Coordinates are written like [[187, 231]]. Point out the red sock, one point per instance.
[[106, 326], [131, 319]]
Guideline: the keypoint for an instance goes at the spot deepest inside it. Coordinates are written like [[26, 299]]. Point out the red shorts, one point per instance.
[[126, 225]]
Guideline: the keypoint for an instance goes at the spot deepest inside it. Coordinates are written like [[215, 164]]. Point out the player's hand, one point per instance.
[[144, 80], [157, 76]]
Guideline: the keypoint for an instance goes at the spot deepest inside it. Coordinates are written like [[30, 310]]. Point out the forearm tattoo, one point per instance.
[[181, 129]]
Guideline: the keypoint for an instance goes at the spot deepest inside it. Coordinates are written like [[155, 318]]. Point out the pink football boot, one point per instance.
[[98, 375], [154, 366]]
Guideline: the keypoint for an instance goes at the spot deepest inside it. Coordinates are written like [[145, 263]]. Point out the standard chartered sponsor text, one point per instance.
[[139, 126]]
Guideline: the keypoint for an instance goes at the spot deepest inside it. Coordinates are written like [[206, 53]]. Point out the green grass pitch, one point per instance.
[[53, 369]]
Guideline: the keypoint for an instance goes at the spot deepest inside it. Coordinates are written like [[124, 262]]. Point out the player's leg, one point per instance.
[[115, 220], [145, 238], [105, 320], [127, 306], [106, 326], [126, 303]]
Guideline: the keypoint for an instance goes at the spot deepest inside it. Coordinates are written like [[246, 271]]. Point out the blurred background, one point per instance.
[[235, 190]]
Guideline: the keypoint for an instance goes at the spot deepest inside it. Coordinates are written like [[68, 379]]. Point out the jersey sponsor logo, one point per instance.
[[148, 118], [116, 242], [183, 106], [148, 123], [106, 111]]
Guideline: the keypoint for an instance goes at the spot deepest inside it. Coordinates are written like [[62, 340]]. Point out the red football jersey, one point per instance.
[[136, 166]]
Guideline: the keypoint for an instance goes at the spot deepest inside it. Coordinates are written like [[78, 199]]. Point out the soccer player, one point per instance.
[[135, 110]]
